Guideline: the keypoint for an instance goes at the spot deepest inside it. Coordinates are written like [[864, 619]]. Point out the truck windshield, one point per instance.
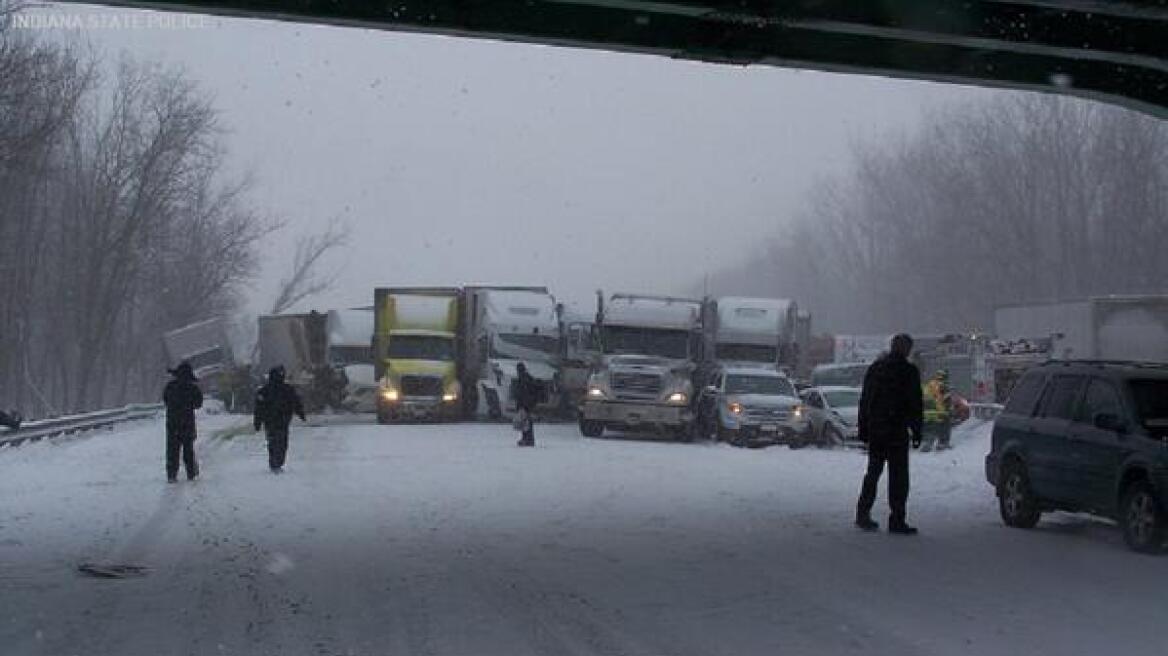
[[748, 353], [646, 341], [1151, 398], [770, 385], [421, 347], [543, 343]]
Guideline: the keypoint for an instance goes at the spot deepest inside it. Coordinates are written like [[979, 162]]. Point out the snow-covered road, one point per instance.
[[450, 540]]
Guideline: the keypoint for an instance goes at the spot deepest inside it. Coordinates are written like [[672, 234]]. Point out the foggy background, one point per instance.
[[461, 160], [155, 176]]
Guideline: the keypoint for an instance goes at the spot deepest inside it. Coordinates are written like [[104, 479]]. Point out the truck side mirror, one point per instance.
[[1109, 422]]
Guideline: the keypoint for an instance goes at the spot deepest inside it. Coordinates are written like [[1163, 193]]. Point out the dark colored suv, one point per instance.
[[1086, 436]]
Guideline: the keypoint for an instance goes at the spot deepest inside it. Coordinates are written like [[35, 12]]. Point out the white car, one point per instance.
[[757, 406], [833, 411]]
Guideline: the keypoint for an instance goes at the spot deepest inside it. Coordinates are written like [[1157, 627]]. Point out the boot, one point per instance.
[[866, 523], [901, 528]]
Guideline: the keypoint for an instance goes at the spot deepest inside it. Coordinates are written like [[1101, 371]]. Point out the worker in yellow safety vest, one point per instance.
[[938, 402]]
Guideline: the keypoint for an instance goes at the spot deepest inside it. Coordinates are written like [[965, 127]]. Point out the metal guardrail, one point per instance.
[[985, 411], [33, 431]]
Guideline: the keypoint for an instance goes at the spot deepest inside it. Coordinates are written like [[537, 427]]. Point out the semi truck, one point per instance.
[[752, 331], [350, 351], [299, 342], [204, 344], [1100, 328], [417, 339], [651, 349], [504, 327]]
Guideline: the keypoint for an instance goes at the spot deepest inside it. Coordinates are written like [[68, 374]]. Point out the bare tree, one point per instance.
[[305, 279], [1024, 198]]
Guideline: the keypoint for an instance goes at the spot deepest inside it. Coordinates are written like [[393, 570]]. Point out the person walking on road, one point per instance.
[[890, 414], [182, 397], [527, 396], [275, 404]]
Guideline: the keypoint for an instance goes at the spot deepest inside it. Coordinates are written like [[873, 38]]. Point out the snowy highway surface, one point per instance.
[[435, 540]]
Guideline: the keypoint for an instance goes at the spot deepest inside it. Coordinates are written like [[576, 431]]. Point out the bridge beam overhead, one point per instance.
[[1111, 50]]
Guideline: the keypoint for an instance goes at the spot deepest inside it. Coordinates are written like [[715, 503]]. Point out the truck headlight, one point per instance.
[[734, 408], [451, 393], [797, 411], [678, 398], [595, 393], [389, 394]]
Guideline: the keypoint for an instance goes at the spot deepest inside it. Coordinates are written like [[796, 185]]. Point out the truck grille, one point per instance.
[[768, 414], [636, 386], [421, 386]]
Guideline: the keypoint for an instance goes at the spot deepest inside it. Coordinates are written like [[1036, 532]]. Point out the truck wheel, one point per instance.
[[591, 428], [1016, 502], [1142, 519]]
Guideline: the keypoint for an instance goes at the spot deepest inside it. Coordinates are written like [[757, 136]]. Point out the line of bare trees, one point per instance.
[[1025, 198], [117, 224]]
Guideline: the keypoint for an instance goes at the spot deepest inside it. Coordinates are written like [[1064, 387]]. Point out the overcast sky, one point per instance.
[[463, 160]]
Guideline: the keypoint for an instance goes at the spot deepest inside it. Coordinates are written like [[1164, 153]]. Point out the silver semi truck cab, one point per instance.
[[651, 347]]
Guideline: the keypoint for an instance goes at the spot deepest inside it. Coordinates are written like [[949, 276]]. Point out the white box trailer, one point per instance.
[[203, 344], [1101, 328]]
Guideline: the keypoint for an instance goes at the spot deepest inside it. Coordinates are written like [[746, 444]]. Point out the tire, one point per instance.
[[591, 428], [1142, 519], [831, 437], [1016, 501]]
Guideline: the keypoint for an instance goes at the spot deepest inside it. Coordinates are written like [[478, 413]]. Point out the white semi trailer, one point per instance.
[[1101, 328]]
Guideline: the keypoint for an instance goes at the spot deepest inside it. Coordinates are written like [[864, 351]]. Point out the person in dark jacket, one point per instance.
[[275, 404], [10, 419], [182, 397], [527, 395], [890, 414]]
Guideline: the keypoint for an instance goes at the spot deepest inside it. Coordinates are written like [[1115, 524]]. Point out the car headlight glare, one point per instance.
[[450, 397], [797, 411], [734, 408], [677, 397], [595, 393], [389, 394]]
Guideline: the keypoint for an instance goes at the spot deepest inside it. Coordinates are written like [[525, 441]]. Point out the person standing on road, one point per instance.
[[10, 419], [890, 413], [182, 397], [938, 402], [275, 404], [527, 396]]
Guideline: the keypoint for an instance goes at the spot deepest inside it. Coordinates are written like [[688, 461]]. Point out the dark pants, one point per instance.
[[528, 435], [937, 435], [277, 448], [897, 458], [184, 445]]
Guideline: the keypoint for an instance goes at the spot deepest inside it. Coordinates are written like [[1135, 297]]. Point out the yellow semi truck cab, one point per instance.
[[416, 341]]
